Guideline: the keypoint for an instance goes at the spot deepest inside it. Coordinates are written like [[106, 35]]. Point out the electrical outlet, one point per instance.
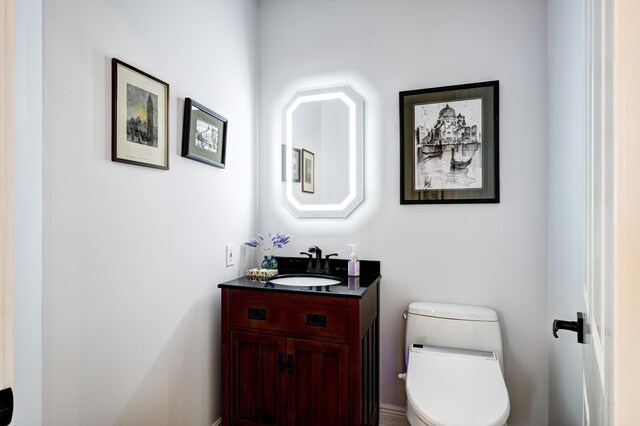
[[230, 254]]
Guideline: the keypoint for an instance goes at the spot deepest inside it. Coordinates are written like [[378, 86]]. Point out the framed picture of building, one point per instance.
[[449, 144], [139, 117], [204, 134]]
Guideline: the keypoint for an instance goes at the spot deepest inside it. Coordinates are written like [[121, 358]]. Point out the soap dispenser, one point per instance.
[[353, 267]]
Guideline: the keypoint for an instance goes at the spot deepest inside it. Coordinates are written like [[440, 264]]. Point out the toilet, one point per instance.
[[454, 366]]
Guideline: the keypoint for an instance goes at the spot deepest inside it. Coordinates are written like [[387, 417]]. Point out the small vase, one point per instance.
[[269, 262]]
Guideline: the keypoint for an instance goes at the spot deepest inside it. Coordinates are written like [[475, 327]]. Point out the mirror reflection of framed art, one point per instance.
[[308, 171], [295, 164]]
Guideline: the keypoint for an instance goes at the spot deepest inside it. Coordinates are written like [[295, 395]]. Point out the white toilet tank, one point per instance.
[[453, 326]]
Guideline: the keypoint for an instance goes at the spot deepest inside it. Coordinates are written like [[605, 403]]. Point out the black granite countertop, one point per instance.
[[349, 286]]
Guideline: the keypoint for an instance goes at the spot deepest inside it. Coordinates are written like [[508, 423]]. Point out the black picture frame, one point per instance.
[[204, 134], [308, 160], [295, 166], [136, 139], [449, 155]]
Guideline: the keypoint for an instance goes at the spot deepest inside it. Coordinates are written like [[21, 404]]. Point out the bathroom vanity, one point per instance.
[[301, 355]]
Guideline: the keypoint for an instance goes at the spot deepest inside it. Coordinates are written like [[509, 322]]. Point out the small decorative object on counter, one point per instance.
[[269, 246], [269, 262], [260, 274]]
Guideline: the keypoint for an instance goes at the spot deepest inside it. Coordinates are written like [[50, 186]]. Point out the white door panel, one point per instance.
[[6, 203], [598, 194]]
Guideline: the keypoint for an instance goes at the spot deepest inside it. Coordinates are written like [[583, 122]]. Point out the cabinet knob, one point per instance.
[[280, 363], [290, 365]]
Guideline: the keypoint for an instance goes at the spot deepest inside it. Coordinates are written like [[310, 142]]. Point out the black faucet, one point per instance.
[[316, 250]]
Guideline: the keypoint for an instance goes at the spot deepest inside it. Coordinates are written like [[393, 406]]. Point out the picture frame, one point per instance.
[[139, 117], [204, 134], [449, 138], [308, 171], [295, 165]]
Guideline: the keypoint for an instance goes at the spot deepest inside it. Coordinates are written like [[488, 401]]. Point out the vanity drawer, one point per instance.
[[310, 319]]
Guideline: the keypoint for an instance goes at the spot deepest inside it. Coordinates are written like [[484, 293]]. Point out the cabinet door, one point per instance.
[[257, 379], [318, 389]]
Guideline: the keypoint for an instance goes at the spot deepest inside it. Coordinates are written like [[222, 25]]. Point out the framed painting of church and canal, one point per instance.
[[449, 144], [139, 117], [204, 134]]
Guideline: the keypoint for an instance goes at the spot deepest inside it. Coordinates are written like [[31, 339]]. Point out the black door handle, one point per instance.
[[575, 326], [6, 406]]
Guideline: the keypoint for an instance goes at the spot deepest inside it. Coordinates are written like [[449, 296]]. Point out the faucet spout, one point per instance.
[[316, 250]]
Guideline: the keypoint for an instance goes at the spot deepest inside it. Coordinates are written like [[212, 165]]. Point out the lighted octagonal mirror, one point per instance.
[[322, 160]]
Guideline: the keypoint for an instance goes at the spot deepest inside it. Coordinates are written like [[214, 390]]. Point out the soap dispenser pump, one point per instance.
[[353, 267]]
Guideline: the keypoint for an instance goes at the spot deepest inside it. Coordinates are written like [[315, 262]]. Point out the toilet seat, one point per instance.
[[455, 387]]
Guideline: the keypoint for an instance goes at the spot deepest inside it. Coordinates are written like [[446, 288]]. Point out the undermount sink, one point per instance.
[[304, 280]]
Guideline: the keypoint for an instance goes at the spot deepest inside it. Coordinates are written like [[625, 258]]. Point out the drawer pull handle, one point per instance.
[[259, 314], [316, 320]]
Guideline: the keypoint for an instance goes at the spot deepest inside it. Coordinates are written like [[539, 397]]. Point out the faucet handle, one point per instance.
[[309, 265], [327, 266]]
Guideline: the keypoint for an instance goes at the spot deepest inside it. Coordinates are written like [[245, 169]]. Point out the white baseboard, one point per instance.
[[392, 415]]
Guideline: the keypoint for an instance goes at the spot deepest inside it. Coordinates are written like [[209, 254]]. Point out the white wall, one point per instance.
[[488, 254], [132, 255], [565, 35], [28, 213]]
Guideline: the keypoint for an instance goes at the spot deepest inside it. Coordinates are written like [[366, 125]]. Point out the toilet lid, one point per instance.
[[450, 387]]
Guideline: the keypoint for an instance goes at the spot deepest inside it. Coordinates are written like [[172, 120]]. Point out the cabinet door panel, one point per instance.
[[318, 391], [256, 385]]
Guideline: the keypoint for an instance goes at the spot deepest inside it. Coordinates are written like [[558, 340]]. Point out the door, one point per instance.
[[6, 209], [610, 242], [257, 379], [318, 389]]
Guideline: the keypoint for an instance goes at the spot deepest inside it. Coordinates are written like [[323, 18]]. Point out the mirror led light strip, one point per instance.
[[352, 151]]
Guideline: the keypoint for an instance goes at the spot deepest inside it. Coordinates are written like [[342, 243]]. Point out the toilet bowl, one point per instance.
[[452, 387], [454, 366]]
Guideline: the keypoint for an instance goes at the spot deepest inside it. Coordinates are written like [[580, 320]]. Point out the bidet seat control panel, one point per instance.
[[454, 352]]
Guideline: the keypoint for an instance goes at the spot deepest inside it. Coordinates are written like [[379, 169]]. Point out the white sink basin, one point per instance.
[[305, 281]]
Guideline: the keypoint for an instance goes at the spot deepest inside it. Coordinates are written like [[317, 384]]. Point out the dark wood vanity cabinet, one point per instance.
[[299, 359]]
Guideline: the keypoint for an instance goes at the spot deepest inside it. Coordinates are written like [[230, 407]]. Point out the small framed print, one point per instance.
[[139, 117], [204, 134], [295, 164], [449, 144], [308, 171]]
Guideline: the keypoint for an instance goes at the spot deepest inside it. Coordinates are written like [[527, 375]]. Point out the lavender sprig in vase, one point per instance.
[[269, 246]]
